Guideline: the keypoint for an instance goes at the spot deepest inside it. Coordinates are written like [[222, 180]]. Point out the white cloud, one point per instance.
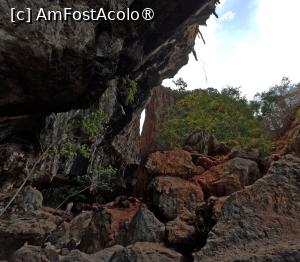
[[253, 62]]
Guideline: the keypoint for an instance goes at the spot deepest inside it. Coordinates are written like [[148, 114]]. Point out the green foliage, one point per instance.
[[180, 84], [276, 106], [226, 114], [104, 171], [84, 150], [298, 115], [67, 150], [103, 178], [131, 90], [83, 180], [274, 96], [70, 148], [93, 123]]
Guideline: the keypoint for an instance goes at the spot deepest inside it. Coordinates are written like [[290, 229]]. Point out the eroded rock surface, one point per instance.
[[144, 251], [174, 197], [175, 162], [262, 222], [229, 177]]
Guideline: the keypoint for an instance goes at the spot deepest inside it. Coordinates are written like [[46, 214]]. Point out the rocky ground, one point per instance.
[[233, 207]]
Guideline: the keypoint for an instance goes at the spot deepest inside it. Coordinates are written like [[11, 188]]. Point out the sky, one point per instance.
[[252, 45]]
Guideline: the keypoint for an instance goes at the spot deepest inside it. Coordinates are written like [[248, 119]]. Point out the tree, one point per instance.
[[180, 84], [277, 107], [226, 114]]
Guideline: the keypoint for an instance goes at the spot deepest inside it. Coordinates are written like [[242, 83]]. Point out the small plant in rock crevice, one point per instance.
[[131, 90], [93, 124]]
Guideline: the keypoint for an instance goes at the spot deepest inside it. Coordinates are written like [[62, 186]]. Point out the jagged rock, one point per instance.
[[224, 179], [144, 252], [174, 196], [107, 227], [98, 233], [60, 237], [289, 142], [32, 228], [12, 166], [93, 53], [30, 199], [205, 161], [36, 254], [172, 163], [79, 226], [144, 227], [104, 255], [162, 99], [262, 222], [295, 144], [208, 213], [197, 141], [205, 143], [215, 148], [252, 154], [179, 233], [216, 204]]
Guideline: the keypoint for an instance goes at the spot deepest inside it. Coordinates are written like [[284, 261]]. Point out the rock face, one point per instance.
[[290, 141], [262, 222], [101, 256], [143, 251], [145, 227], [174, 197], [225, 179], [175, 162], [181, 234], [69, 64], [34, 253], [156, 112], [14, 232]]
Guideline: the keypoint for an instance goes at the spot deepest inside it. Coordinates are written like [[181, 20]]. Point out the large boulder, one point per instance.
[[104, 255], [145, 227], [30, 199], [295, 142], [203, 142], [36, 254], [229, 177], [181, 234], [39, 254], [79, 225], [147, 252], [174, 196], [175, 162], [31, 228], [204, 161], [106, 228], [262, 222]]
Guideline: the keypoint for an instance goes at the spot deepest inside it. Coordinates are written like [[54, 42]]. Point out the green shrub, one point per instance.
[[93, 123], [131, 90], [84, 150], [70, 148], [226, 114]]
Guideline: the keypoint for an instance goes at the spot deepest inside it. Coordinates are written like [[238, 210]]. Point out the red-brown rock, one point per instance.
[[205, 162], [227, 178], [175, 197], [181, 233], [175, 162]]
